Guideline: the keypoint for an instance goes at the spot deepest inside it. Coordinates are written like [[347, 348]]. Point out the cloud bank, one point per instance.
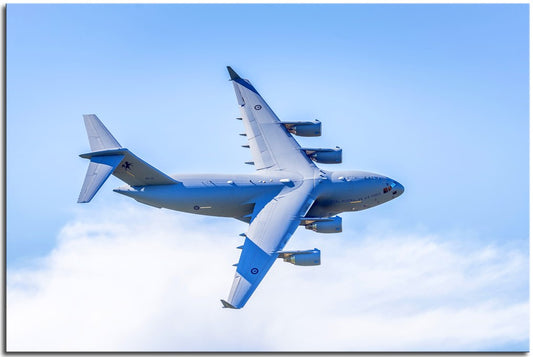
[[139, 279]]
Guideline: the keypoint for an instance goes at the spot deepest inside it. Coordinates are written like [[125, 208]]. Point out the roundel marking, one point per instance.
[[254, 271], [196, 208], [258, 107]]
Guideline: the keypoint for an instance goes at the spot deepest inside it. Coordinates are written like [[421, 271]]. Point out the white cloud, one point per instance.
[[145, 279]]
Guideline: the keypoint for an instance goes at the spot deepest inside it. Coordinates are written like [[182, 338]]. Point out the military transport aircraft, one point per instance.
[[286, 191]]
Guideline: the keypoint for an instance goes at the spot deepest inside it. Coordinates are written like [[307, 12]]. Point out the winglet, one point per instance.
[[227, 304], [233, 75]]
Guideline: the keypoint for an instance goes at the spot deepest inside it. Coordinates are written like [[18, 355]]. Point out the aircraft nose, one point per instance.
[[398, 189]]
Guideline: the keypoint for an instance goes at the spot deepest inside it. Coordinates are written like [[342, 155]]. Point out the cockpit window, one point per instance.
[[389, 187]]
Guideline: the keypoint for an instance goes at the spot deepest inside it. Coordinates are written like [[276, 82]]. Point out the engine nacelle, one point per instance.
[[302, 257], [304, 128], [332, 225], [325, 156]]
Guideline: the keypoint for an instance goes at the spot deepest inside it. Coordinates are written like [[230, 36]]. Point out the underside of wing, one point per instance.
[[271, 144], [267, 235]]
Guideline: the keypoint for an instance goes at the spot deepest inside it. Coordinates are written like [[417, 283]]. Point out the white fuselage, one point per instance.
[[237, 195]]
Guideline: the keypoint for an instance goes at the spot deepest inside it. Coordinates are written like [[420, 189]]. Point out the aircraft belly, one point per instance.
[[205, 199], [348, 196]]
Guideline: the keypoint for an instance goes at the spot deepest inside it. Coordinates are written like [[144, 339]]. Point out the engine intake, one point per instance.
[[301, 257], [331, 225], [325, 156], [304, 128]]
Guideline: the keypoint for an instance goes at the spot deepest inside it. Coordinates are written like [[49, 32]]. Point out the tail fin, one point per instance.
[[99, 137], [108, 157]]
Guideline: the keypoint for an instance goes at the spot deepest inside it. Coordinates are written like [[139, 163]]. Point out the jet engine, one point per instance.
[[304, 128], [330, 225], [325, 156], [301, 257]]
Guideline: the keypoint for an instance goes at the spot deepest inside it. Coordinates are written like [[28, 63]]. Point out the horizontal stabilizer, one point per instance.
[[99, 170], [133, 170]]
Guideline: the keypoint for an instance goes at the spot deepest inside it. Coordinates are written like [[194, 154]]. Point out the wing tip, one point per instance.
[[227, 305], [232, 74]]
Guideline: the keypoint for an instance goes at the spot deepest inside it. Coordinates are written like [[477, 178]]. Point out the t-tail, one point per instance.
[[109, 157]]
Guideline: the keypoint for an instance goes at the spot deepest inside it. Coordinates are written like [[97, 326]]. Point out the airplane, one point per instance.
[[287, 189]]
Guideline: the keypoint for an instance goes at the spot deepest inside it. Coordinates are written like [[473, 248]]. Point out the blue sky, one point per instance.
[[434, 96]]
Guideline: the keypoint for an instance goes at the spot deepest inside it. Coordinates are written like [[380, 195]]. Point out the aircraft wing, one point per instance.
[[268, 233], [271, 144]]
